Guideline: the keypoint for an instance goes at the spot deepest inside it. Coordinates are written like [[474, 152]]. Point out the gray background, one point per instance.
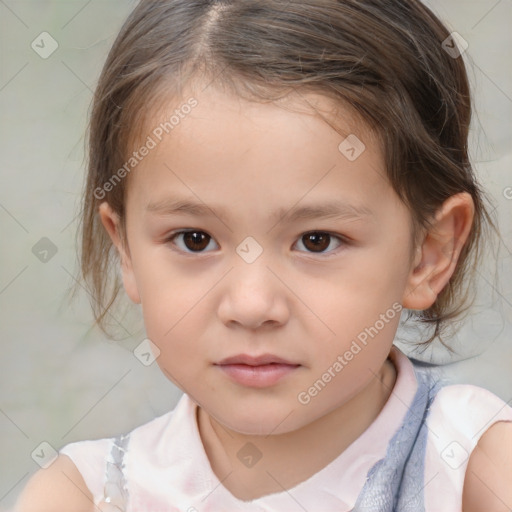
[[63, 381]]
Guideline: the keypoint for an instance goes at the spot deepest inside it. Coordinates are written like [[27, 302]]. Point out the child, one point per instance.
[[229, 142]]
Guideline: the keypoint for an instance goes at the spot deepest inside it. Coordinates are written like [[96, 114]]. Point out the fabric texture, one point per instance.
[[396, 482]]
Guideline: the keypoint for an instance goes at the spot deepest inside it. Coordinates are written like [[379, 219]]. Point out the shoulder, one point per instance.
[[489, 471], [58, 488], [463, 403], [461, 418]]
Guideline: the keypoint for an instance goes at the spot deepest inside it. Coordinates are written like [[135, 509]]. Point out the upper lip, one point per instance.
[[255, 360]]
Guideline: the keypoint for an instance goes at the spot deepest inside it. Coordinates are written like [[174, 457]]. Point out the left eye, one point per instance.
[[318, 241]]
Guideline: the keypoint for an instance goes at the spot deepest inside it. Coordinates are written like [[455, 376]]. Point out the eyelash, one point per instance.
[[342, 240]]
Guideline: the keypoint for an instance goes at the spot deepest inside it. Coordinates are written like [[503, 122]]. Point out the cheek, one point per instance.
[[355, 296], [344, 367], [177, 336], [175, 317], [172, 317], [168, 299], [362, 339]]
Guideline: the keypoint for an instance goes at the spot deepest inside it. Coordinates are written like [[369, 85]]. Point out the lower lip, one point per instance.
[[258, 376]]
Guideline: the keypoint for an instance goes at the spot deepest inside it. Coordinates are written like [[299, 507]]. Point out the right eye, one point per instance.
[[193, 241]]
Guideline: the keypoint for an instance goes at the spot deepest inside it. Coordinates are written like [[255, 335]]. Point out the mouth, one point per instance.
[[257, 371], [260, 360]]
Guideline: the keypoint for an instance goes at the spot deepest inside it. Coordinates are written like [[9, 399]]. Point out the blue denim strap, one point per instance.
[[396, 482]]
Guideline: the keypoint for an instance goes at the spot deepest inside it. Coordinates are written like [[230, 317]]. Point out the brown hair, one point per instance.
[[385, 60]]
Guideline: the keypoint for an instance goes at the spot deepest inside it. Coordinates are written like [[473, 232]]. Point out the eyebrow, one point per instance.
[[327, 210]]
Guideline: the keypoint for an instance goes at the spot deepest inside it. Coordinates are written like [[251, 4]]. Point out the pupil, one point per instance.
[[195, 240], [320, 241]]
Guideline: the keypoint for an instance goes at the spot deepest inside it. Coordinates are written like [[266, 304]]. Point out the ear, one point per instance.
[[111, 223], [436, 258]]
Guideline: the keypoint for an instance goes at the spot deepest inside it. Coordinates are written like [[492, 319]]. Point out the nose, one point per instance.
[[252, 296]]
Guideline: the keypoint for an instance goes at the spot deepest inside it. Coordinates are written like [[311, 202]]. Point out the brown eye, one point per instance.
[[192, 241], [318, 241], [195, 240]]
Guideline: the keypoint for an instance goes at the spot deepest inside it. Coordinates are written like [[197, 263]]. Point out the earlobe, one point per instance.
[[111, 223], [436, 258]]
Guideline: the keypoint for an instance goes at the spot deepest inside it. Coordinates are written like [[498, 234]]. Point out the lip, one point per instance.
[[262, 359], [256, 371]]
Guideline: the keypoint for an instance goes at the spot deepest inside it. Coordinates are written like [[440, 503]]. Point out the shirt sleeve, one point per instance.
[[459, 416], [90, 459]]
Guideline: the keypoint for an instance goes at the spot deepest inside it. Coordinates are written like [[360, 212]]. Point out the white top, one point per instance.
[[167, 468]]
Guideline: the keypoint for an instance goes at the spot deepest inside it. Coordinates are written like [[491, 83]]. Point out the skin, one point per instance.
[[304, 306], [489, 472]]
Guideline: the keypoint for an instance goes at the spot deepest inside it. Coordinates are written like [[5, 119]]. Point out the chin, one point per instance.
[[259, 422]]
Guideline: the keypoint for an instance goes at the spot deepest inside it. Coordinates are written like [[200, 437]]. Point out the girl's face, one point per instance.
[[298, 247]]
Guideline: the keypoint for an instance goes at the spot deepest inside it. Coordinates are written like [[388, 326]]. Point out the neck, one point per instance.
[[293, 457]]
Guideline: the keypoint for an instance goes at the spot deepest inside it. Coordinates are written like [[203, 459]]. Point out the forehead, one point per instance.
[[168, 111], [218, 141]]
